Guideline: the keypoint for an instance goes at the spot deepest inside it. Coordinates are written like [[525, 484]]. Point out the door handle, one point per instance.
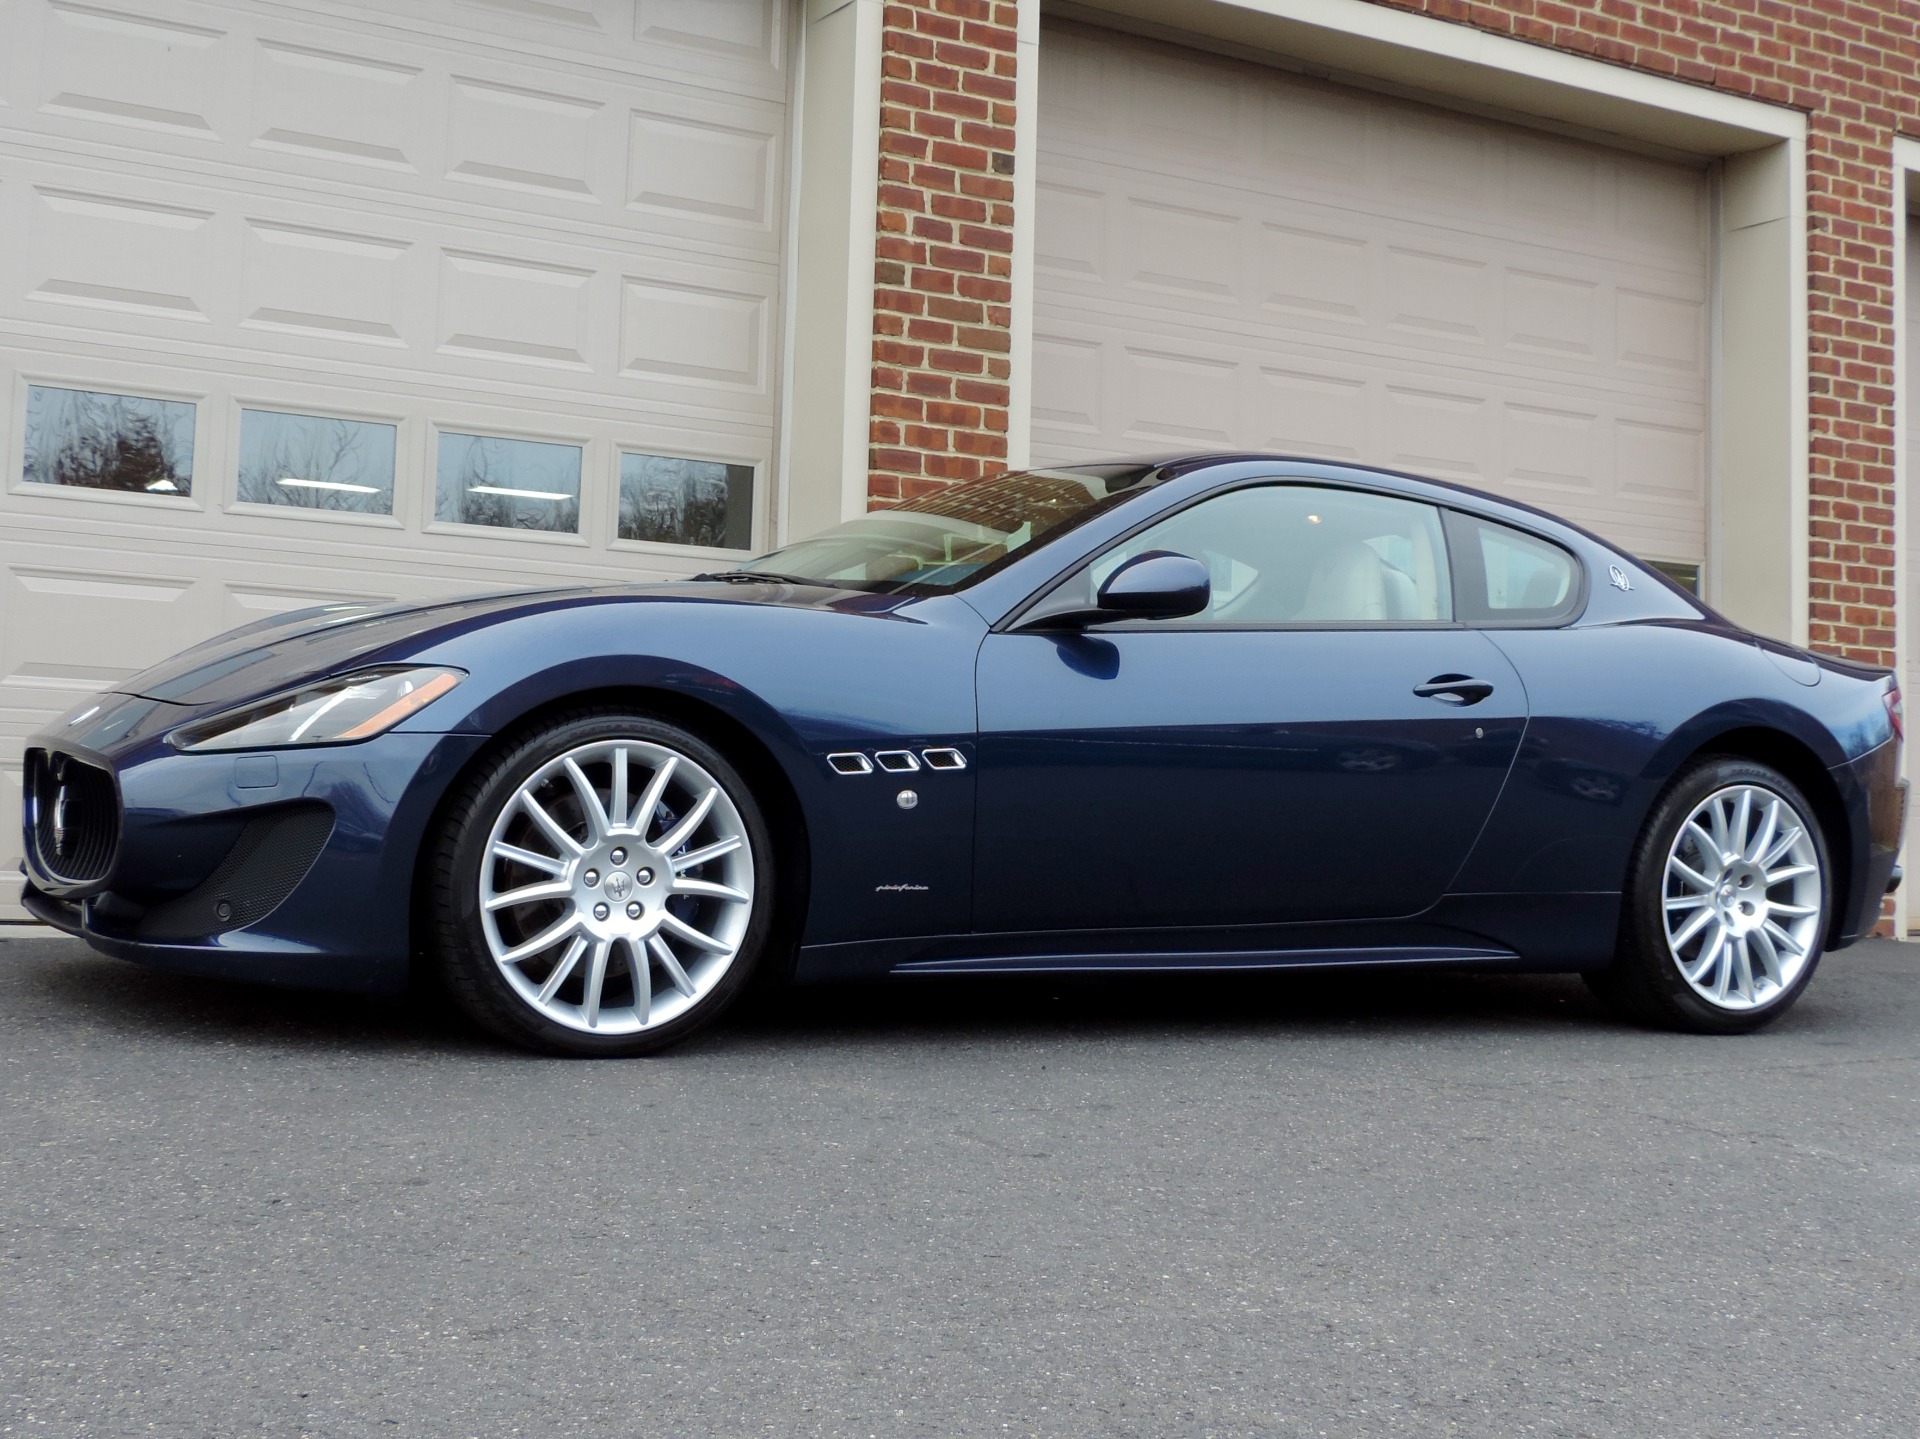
[[1454, 690]]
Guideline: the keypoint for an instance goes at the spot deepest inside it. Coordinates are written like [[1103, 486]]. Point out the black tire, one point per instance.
[[1645, 981], [458, 846]]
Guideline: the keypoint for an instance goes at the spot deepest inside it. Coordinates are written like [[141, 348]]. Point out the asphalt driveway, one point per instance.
[[1356, 1206]]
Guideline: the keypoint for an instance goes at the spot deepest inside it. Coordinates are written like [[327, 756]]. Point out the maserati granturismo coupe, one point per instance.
[[1212, 713]]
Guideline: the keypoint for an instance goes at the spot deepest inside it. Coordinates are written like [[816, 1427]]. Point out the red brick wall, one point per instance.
[[943, 286], [1853, 66]]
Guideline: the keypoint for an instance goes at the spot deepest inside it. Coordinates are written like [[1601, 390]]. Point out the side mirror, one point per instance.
[[1159, 585]]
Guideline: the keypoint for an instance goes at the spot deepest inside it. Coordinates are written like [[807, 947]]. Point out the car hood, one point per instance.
[[289, 649]]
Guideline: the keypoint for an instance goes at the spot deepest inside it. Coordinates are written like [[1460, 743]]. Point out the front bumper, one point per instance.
[[290, 867]]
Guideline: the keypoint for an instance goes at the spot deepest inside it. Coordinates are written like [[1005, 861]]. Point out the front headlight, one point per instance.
[[333, 711]]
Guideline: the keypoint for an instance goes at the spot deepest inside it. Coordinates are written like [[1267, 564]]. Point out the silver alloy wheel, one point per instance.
[[1743, 897], [616, 887]]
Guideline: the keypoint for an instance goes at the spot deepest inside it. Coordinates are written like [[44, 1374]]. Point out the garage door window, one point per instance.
[[316, 462], [99, 440], [508, 484], [1302, 556], [686, 502]]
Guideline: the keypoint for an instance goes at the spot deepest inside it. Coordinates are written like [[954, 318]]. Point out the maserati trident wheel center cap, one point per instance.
[[602, 892]]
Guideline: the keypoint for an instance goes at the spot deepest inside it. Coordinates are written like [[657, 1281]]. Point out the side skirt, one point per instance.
[[1543, 933], [1206, 961]]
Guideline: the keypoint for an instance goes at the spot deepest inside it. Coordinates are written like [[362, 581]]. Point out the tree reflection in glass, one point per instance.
[[686, 502], [97, 440], [316, 463], [510, 484]]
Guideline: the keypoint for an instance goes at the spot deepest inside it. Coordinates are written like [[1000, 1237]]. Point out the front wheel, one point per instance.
[[601, 888], [1726, 903]]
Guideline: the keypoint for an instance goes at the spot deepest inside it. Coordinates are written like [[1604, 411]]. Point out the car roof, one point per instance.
[[1174, 463]]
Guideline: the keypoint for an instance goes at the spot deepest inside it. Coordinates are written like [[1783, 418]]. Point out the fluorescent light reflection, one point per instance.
[[514, 494], [293, 483]]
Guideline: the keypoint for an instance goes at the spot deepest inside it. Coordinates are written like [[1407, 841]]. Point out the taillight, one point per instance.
[[1896, 709]]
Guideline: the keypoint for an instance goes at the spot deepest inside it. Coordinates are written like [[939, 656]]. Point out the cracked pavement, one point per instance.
[[1347, 1205]]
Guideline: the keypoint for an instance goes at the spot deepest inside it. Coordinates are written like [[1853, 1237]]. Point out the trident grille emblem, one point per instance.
[[60, 820]]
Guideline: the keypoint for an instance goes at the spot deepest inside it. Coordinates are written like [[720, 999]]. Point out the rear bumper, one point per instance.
[[1875, 796]]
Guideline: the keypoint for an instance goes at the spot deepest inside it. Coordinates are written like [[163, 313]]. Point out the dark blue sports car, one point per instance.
[[1216, 713]]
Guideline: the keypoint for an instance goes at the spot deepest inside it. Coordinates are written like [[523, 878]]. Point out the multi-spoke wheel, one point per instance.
[[1727, 902], [600, 887]]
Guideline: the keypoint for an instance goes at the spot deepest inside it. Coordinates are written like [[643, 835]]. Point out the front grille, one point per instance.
[[73, 817]]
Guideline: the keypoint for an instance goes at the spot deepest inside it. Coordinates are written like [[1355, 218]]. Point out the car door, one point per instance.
[[1322, 742]]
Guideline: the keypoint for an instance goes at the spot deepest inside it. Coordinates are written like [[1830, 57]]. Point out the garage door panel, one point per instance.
[[1661, 332], [1313, 272], [1185, 398], [337, 106], [1564, 189], [448, 125], [1554, 451], [1497, 300], [1068, 386], [267, 274], [1431, 293], [336, 285], [1316, 412], [122, 67], [1602, 455], [1550, 314], [108, 251], [1378, 349], [126, 618], [705, 162], [522, 139], [1183, 250], [1233, 255], [725, 35], [1360, 150]]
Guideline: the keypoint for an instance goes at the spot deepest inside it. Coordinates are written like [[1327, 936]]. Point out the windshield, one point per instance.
[[948, 539]]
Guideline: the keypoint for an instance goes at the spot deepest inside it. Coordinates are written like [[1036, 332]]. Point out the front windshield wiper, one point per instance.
[[770, 577]]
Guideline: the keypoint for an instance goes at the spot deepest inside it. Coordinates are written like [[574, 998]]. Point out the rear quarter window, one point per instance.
[[1504, 576]]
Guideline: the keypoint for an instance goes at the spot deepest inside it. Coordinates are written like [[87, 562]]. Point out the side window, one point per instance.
[[1510, 577], [1306, 555]]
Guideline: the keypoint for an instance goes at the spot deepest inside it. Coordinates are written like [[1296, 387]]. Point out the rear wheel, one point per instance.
[[601, 888], [1726, 904]]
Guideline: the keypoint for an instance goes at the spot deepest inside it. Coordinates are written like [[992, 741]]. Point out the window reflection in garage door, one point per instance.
[[510, 484], [316, 462], [686, 502], [98, 440]]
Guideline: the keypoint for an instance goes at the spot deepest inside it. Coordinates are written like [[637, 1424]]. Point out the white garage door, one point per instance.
[[303, 301], [1230, 254]]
